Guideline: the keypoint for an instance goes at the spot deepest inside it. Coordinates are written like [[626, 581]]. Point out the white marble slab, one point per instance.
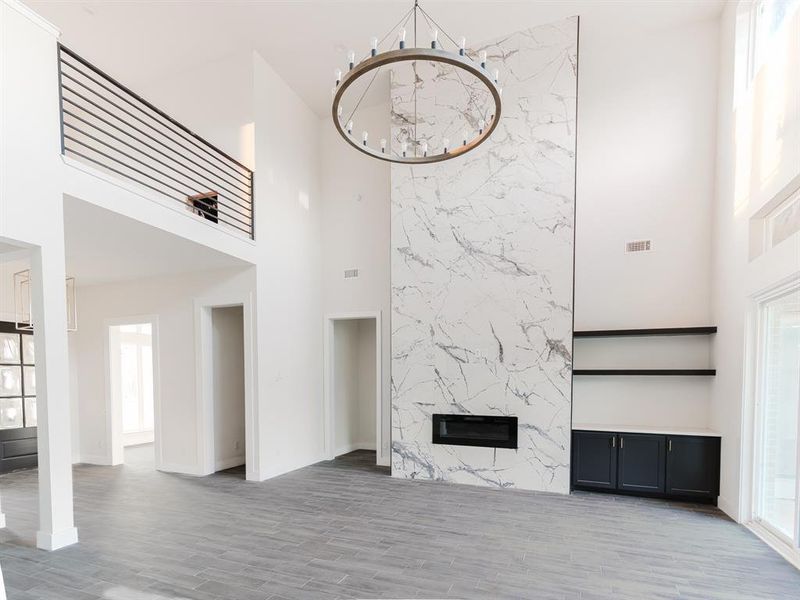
[[482, 265]]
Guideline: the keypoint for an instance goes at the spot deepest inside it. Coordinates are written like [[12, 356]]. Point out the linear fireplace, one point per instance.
[[475, 430]]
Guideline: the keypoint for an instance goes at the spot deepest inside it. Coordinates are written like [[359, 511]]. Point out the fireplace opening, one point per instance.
[[475, 430]]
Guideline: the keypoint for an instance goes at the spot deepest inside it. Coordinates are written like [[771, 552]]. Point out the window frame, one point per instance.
[[793, 542]]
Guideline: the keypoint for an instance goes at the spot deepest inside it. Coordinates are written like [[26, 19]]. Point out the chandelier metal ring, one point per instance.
[[436, 55]]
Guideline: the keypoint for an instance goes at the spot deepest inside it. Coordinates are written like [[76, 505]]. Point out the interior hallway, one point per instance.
[[343, 529]]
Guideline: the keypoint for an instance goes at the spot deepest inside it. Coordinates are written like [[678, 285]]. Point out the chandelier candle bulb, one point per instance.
[[404, 148], [496, 76], [466, 137], [402, 39], [350, 127], [338, 74], [339, 113], [351, 59], [364, 137], [435, 40], [462, 50], [445, 144], [424, 147], [383, 146], [481, 125], [374, 50], [482, 57]]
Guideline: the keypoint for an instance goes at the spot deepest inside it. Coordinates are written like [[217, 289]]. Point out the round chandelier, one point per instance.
[[411, 150]]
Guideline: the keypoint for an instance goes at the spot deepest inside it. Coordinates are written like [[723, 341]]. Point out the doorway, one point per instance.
[[228, 387], [132, 377], [353, 390]]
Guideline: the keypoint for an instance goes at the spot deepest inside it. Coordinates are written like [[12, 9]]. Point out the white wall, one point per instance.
[[170, 299], [355, 234], [227, 343], [354, 377], [289, 275], [366, 383], [10, 263], [215, 100], [646, 144], [758, 141]]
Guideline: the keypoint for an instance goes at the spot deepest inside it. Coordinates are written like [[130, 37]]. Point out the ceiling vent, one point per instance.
[[638, 246], [350, 273]]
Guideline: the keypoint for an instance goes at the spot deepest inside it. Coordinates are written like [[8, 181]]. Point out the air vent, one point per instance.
[[350, 273], [638, 246]]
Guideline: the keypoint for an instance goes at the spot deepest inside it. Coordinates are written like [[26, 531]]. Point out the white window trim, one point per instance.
[[751, 427]]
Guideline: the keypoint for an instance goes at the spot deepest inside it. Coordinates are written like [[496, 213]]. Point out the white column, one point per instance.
[[2, 520], [56, 525]]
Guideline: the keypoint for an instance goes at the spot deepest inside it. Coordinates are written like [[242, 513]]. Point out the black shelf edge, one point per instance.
[[647, 372], [646, 332]]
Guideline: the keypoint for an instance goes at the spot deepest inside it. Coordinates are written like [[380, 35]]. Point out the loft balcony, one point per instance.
[[111, 128]]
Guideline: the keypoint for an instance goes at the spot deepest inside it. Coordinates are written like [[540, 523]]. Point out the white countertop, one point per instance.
[[645, 429]]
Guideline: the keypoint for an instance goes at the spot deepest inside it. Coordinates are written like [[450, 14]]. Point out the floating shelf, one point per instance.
[[646, 372], [646, 332]]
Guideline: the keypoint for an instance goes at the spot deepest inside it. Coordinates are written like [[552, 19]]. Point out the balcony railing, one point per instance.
[[112, 128]]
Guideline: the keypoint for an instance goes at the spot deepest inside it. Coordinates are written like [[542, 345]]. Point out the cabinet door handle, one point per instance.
[[669, 446], [613, 441], [621, 441]]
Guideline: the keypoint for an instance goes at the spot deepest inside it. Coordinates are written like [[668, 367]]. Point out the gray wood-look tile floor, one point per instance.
[[344, 529]]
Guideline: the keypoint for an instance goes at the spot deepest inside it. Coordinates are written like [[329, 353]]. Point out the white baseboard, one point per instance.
[[355, 446], [728, 508], [229, 463], [192, 470], [57, 539], [94, 459], [791, 555]]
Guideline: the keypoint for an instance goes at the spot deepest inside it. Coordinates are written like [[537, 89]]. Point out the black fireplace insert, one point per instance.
[[475, 430]]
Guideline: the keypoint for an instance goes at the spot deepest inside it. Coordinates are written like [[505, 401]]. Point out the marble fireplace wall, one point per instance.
[[482, 265]]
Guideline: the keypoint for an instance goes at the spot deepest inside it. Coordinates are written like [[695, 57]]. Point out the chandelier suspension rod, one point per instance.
[[472, 100], [403, 20]]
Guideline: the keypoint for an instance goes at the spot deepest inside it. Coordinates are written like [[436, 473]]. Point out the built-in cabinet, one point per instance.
[[651, 464]]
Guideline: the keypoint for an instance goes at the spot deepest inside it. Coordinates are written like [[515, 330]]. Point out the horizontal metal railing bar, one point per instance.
[[181, 199], [155, 189], [128, 176], [203, 187], [213, 183], [233, 173], [149, 105], [72, 91]]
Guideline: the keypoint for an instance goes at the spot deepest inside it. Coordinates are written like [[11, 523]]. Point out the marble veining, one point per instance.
[[482, 263]]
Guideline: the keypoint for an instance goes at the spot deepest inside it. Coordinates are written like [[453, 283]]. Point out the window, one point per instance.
[[777, 416], [17, 380], [136, 377], [783, 221], [768, 20]]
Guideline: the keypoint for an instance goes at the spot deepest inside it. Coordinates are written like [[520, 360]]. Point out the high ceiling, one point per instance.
[[139, 42]]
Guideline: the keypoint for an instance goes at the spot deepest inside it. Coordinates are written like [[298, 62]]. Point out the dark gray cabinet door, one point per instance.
[[693, 466], [594, 460], [641, 462]]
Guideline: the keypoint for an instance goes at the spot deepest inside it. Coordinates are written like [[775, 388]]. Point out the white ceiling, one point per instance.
[[138, 42], [103, 247]]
